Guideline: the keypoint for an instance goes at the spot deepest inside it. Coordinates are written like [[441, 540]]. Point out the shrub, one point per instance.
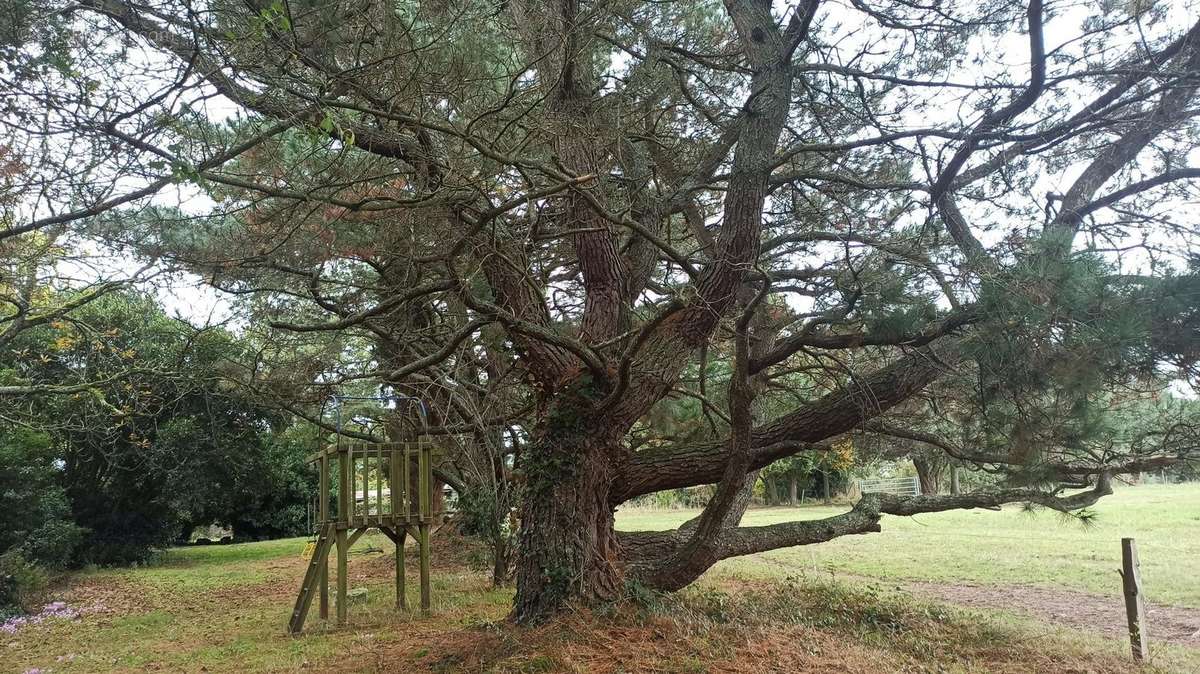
[[53, 544], [20, 582]]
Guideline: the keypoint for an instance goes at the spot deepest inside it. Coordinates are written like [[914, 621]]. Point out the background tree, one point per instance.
[[131, 461], [37, 520]]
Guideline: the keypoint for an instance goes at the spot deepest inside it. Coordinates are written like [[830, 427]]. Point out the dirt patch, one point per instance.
[[1083, 611], [585, 642], [1079, 610], [106, 596]]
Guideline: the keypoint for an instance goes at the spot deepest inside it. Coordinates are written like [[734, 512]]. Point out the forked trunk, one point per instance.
[[568, 548]]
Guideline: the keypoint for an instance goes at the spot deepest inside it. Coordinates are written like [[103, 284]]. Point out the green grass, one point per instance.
[[210, 568], [223, 608], [1007, 547]]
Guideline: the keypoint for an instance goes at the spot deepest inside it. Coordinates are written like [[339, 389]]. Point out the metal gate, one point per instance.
[[907, 486]]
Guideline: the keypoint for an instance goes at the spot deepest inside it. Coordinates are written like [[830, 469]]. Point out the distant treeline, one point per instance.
[[155, 441]]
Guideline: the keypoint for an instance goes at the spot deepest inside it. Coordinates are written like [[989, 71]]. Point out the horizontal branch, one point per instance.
[[1137, 188], [865, 516], [358, 317], [790, 345], [648, 550], [803, 429]]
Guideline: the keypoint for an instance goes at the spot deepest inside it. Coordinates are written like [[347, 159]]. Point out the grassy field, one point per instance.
[[1007, 547], [223, 608]]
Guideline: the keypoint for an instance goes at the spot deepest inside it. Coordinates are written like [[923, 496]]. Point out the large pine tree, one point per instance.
[[966, 225]]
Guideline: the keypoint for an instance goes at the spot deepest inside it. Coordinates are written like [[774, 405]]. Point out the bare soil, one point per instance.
[[1067, 608]]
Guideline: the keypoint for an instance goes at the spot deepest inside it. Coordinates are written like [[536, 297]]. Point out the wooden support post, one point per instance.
[[324, 589], [393, 482], [397, 534], [345, 498], [366, 485], [425, 476], [323, 515], [342, 580], [423, 528], [406, 467], [425, 466], [398, 517], [401, 599], [1135, 606], [345, 508]]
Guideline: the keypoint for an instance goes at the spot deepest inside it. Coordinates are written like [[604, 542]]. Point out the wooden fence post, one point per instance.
[[1135, 607]]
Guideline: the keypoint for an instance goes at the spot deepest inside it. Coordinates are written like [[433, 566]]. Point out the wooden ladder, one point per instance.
[[312, 578]]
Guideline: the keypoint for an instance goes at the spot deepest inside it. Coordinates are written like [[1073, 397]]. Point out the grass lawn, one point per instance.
[[224, 608], [1007, 547]]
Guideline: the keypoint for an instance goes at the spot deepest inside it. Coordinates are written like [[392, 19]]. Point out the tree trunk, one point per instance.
[[955, 487], [825, 479], [792, 484], [568, 548], [927, 475], [770, 491], [500, 561]]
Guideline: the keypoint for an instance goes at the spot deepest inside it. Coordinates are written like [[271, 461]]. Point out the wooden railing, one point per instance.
[[375, 484]]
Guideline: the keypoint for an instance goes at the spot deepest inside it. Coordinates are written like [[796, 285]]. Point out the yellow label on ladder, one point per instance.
[[309, 550]]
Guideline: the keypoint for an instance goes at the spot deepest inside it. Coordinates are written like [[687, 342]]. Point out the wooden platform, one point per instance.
[[363, 503]]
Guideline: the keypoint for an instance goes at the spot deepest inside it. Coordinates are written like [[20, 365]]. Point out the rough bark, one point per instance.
[[568, 548], [736, 487]]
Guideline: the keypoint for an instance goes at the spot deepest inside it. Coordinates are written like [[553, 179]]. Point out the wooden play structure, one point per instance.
[[381, 485]]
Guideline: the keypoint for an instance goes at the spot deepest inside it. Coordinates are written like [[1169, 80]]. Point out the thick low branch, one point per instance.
[[801, 430]]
